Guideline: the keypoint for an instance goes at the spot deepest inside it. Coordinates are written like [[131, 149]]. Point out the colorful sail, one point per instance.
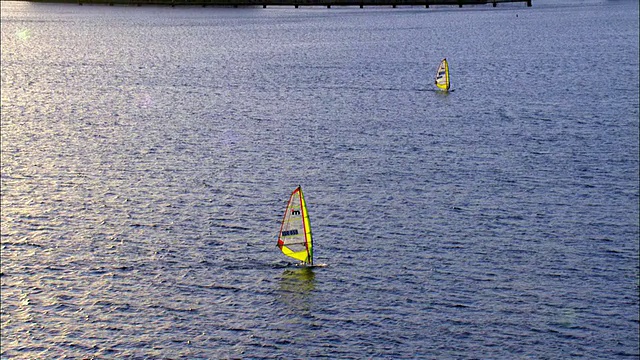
[[442, 76], [295, 232]]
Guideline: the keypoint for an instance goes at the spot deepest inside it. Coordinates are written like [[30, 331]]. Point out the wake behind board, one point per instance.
[[303, 265]]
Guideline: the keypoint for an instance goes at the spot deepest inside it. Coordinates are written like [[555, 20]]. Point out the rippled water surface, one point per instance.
[[148, 153]]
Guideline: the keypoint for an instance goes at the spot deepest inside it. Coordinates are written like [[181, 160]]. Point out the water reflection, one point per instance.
[[296, 287], [23, 34]]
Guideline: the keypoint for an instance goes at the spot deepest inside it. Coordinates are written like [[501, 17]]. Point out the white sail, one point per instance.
[[442, 76]]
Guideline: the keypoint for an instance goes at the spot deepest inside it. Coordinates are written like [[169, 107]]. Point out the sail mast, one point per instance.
[[307, 228]]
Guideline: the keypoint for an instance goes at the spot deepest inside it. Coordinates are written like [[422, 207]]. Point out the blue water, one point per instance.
[[148, 154]]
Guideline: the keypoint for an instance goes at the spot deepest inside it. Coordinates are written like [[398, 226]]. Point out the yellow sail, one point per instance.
[[442, 76], [295, 232]]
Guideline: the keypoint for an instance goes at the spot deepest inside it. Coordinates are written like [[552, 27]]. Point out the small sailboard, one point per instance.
[[442, 76], [295, 239]]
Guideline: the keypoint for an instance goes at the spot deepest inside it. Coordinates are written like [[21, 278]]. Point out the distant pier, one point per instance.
[[295, 3]]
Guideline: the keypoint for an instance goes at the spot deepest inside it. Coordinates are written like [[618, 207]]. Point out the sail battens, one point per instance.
[[298, 243], [294, 239]]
